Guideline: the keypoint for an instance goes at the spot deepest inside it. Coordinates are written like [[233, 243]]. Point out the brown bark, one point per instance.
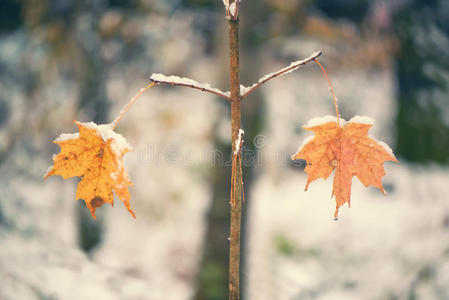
[[236, 209]]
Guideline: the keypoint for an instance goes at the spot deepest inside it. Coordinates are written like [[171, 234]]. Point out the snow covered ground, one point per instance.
[[383, 247]]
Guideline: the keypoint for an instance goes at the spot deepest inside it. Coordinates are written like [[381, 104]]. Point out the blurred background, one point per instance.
[[65, 60]]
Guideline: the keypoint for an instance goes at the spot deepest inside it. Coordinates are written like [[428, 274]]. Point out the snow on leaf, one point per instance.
[[95, 154], [67, 136], [384, 146], [323, 120], [306, 140], [363, 120], [347, 149]]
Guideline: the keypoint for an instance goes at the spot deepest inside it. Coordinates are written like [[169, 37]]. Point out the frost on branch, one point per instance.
[[245, 90], [182, 81], [232, 9], [239, 142]]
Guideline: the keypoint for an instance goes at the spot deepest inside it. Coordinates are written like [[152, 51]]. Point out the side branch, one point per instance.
[[245, 91], [187, 82]]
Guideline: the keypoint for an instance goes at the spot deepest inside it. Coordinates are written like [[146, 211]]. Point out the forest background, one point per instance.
[[66, 60]]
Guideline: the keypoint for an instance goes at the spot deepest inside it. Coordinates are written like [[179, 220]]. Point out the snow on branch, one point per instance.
[[187, 82], [232, 10], [244, 91], [239, 142]]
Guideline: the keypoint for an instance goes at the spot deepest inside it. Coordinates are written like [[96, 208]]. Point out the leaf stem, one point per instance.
[[332, 91], [131, 102]]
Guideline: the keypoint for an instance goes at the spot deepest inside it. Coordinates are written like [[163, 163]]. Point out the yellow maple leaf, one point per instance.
[[349, 150], [95, 154]]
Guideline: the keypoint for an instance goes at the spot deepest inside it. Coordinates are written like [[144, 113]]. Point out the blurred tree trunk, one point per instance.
[[423, 72]]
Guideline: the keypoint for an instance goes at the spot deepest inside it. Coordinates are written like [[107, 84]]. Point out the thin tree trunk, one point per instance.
[[236, 209]]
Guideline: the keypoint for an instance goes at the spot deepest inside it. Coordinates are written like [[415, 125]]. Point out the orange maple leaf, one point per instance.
[[349, 150], [95, 154]]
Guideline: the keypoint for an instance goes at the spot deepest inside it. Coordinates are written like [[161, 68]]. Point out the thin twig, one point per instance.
[[282, 71], [203, 89], [131, 102], [332, 91]]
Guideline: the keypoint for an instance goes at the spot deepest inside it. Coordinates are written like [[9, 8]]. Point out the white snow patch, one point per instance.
[[323, 120], [233, 8], [226, 4], [244, 89], [362, 120], [384, 146], [118, 145], [239, 141], [185, 81], [114, 175], [66, 136]]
